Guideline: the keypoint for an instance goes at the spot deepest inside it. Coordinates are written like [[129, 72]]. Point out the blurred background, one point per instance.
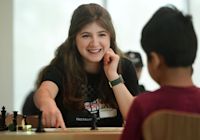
[[31, 30]]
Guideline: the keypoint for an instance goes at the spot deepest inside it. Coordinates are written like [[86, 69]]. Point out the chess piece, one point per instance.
[[2, 120], [40, 127], [25, 126], [15, 120], [25, 121], [94, 122], [13, 126]]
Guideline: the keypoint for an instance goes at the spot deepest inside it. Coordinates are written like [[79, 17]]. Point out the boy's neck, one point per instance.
[[180, 77]]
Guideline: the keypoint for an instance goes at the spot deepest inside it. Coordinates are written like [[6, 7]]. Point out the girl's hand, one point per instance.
[[111, 61], [44, 100], [51, 115]]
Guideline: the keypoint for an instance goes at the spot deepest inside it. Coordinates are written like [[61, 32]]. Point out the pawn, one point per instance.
[[25, 120], [94, 122], [13, 126], [40, 126], [15, 120]]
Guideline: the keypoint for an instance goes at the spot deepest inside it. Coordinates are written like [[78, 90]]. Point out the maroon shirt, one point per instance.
[[167, 97]]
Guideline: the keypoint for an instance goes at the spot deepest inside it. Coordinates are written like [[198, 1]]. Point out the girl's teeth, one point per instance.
[[94, 51]]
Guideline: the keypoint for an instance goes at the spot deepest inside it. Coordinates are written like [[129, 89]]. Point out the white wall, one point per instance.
[[195, 11], [6, 54]]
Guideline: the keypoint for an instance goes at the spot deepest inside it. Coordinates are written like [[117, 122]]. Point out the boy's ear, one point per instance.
[[155, 60]]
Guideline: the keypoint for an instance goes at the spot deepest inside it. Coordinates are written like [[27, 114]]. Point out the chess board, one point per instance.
[[85, 129], [102, 133], [15, 127]]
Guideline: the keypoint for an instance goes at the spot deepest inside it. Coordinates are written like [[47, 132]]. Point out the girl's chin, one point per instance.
[[95, 60]]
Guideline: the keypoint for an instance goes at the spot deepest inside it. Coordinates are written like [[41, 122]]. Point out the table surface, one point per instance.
[[102, 133]]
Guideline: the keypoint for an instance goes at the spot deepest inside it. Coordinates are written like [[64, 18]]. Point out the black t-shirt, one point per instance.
[[106, 117]]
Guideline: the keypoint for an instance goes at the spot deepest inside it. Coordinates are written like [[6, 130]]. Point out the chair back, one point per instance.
[[32, 120], [172, 125]]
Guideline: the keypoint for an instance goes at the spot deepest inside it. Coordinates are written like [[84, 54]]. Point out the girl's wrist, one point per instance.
[[116, 81], [113, 76]]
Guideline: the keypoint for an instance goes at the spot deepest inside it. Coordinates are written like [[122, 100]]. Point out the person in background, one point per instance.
[[136, 58], [29, 108], [88, 75], [170, 43]]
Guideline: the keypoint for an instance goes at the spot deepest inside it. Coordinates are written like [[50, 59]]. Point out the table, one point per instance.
[[102, 133]]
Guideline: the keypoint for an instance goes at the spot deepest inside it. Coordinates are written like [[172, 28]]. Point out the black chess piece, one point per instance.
[[40, 126], [14, 121], [94, 122], [2, 120], [13, 126]]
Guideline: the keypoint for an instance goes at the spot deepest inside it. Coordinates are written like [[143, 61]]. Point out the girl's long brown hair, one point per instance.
[[69, 60]]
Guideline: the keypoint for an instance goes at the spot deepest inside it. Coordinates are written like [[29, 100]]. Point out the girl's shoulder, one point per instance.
[[125, 62]]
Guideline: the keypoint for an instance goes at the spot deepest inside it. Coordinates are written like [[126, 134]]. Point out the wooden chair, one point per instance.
[[9, 119], [31, 120], [172, 125]]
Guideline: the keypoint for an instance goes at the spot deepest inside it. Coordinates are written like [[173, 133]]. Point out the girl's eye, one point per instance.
[[85, 36], [103, 34]]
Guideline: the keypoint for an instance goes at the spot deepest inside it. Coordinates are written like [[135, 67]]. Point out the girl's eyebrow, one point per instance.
[[102, 31]]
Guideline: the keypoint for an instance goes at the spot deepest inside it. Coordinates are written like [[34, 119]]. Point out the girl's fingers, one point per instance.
[[61, 122]]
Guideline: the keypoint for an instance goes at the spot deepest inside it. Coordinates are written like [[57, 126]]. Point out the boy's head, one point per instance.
[[171, 35]]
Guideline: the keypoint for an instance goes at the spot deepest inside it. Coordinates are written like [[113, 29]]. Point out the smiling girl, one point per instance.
[[75, 85]]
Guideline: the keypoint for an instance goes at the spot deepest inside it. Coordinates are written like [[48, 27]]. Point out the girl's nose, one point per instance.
[[94, 42]]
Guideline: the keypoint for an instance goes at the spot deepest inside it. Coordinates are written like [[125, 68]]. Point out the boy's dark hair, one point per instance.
[[170, 34]]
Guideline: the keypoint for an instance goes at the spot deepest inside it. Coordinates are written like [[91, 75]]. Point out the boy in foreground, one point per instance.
[[170, 43]]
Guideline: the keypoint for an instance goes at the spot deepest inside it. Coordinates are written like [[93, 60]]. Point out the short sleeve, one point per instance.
[[130, 77], [133, 126], [53, 74]]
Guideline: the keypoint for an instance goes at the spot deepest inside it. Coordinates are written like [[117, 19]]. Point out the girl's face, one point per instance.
[[92, 43]]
